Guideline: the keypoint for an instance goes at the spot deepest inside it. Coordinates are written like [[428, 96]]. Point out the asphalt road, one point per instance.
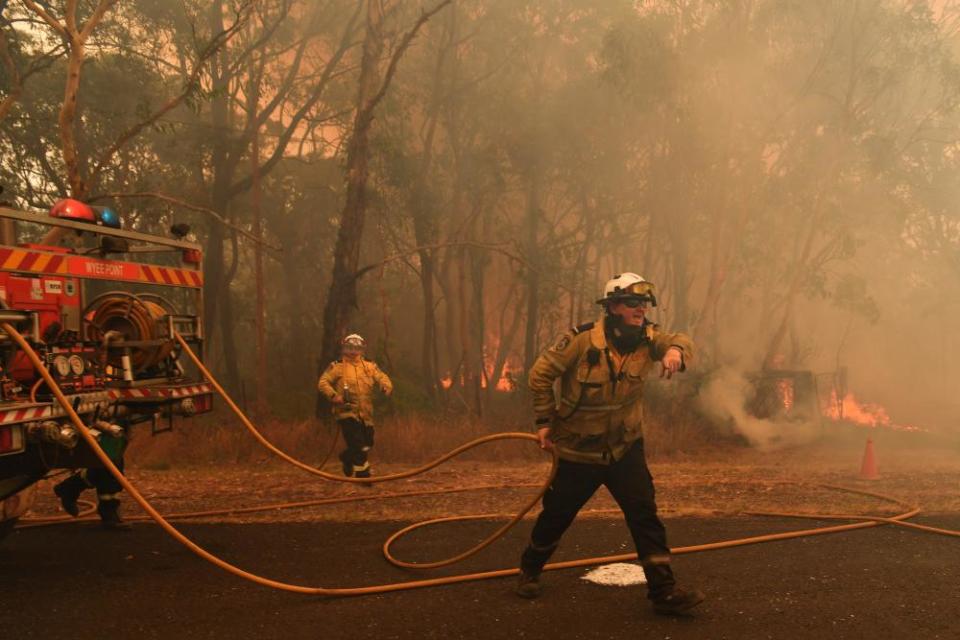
[[80, 582]]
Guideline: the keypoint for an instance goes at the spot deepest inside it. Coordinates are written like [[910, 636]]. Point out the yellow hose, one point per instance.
[[33, 390], [223, 564], [864, 521], [394, 476]]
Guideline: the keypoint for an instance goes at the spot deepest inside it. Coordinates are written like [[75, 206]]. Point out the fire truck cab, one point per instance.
[[102, 315]]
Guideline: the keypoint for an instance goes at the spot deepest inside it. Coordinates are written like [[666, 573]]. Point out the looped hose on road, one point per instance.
[[863, 521]]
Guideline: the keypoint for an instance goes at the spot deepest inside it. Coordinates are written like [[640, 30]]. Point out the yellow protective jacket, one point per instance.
[[359, 377], [596, 412]]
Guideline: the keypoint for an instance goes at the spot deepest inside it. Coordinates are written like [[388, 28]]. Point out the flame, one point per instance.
[[863, 413], [786, 393], [506, 383]]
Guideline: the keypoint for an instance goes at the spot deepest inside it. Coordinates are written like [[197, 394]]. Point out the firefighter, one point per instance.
[[107, 487], [348, 383], [595, 423]]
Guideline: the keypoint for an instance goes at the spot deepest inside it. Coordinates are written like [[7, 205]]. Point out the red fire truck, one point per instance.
[[102, 315]]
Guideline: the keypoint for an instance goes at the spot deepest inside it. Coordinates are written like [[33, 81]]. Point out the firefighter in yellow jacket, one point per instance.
[[348, 383], [594, 418]]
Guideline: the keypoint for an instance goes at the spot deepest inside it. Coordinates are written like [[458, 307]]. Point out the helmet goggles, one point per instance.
[[353, 344], [633, 295]]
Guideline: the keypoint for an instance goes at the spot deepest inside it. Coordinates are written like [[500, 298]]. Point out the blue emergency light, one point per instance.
[[107, 217]]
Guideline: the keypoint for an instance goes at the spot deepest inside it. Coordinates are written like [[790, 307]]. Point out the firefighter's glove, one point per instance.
[[543, 434], [671, 363]]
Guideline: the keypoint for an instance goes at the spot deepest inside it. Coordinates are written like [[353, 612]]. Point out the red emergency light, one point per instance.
[[70, 209]]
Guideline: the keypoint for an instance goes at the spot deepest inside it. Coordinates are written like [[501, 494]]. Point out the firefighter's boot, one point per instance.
[[346, 464], [364, 473], [667, 598], [528, 586], [678, 602], [69, 492], [109, 510], [531, 565]]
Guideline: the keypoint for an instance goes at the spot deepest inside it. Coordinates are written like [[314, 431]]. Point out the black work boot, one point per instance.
[[346, 465], [69, 492], [678, 602], [365, 473], [528, 586], [110, 519], [531, 565], [662, 590]]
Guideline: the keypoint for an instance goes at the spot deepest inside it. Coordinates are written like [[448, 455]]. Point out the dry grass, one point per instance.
[[410, 439]]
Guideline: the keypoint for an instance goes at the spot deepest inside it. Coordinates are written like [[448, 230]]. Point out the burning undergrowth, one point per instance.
[[846, 407], [727, 397], [778, 409]]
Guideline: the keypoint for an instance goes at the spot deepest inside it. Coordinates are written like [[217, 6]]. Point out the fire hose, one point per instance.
[[863, 521]]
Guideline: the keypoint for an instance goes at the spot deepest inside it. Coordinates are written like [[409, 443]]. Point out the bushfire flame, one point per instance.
[[506, 383], [862, 413], [786, 392]]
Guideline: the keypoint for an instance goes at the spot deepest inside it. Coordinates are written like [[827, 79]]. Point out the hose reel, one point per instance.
[[130, 324]]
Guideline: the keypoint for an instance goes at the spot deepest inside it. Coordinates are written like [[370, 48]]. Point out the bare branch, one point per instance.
[[215, 44], [496, 248], [285, 137], [102, 7], [188, 205], [49, 19], [70, 16], [258, 44], [399, 51]]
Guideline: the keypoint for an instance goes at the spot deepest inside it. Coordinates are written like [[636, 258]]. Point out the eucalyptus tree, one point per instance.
[[373, 82], [769, 137]]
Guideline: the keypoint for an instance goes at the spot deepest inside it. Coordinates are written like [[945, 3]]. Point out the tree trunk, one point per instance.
[[260, 306], [216, 287], [531, 225], [342, 298], [68, 111], [797, 277], [425, 232], [15, 90], [478, 262], [429, 336]]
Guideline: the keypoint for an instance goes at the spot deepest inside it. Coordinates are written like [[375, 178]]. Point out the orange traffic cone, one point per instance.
[[868, 470]]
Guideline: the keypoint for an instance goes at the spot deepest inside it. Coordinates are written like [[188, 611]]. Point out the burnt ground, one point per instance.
[[81, 582]]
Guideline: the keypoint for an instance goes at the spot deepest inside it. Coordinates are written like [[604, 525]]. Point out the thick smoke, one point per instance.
[[725, 399]]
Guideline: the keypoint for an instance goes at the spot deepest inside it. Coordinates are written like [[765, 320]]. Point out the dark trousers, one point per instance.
[[631, 485], [98, 478], [103, 481], [359, 439]]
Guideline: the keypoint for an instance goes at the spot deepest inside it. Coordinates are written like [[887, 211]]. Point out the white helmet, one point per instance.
[[353, 343], [628, 285]]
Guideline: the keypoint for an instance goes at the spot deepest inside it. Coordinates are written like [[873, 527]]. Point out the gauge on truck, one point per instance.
[[62, 366], [76, 365]]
